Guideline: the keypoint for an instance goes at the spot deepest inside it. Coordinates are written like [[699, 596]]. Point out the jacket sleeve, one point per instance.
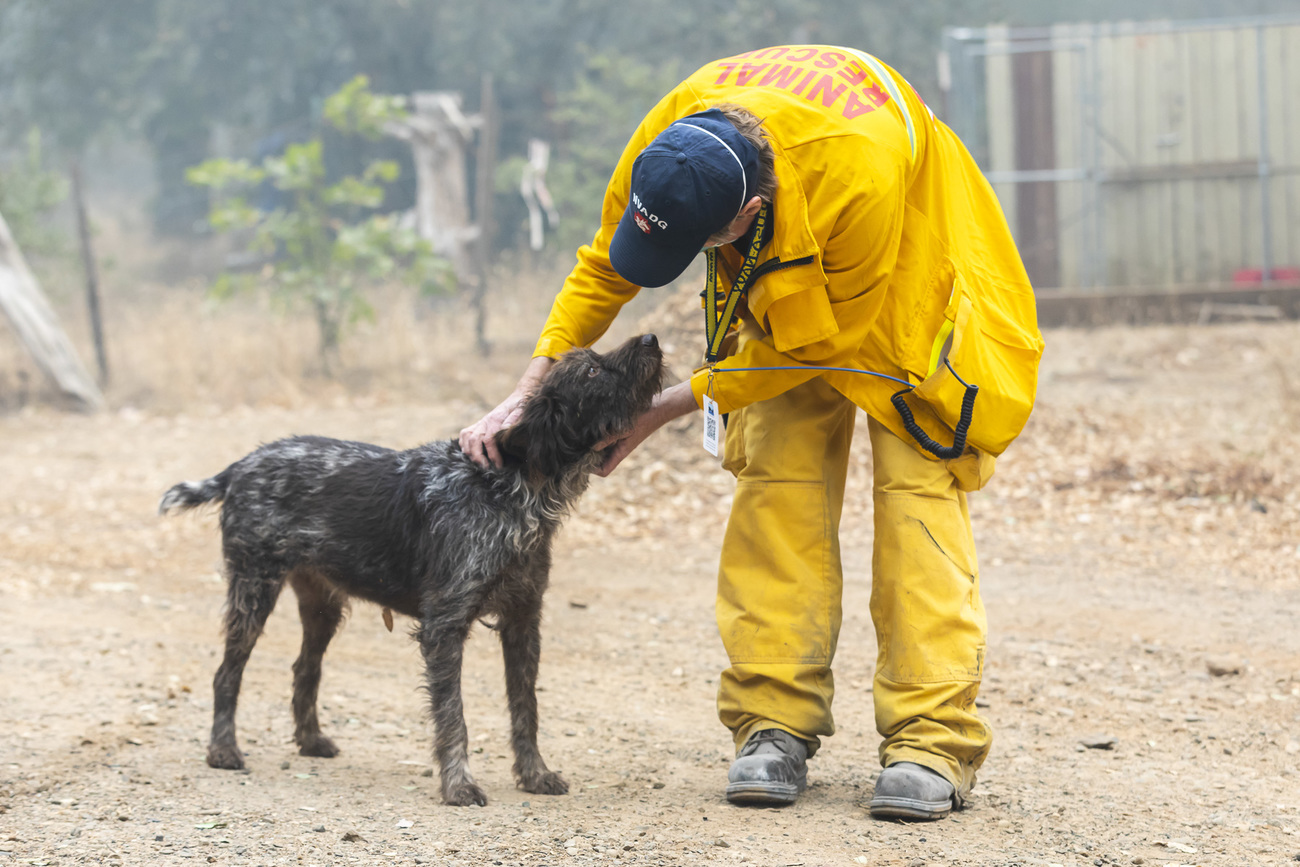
[[593, 293], [858, 223]]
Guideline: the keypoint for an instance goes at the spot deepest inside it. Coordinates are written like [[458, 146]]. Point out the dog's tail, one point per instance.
[[188, 495]]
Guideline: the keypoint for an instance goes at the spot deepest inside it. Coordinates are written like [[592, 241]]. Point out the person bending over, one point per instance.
[[844, 227]]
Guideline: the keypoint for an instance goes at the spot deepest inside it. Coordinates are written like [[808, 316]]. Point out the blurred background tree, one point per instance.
[[29, 192], [324, 245], [247, 77]]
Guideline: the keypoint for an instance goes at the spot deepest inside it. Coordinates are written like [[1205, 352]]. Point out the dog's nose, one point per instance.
[[649, 340]]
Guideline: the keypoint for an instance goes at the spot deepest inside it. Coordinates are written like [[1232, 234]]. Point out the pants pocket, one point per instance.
[[930, 623], [780, 582]]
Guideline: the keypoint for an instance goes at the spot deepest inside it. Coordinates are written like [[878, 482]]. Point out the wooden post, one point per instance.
[[485, 189], [92, 273], [532, 187]]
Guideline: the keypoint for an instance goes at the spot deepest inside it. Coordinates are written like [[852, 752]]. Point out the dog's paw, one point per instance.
[[318, 746], [225, 756], [464, 794], [549, 783]]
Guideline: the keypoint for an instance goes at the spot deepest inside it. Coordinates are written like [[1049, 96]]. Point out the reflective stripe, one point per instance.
[[945, 331], [891, 85]]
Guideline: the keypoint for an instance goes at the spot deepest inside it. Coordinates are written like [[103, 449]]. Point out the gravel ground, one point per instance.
[[1140, 551]]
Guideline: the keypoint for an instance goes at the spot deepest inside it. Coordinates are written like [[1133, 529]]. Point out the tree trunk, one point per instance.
[[329, 322], [38, 327]]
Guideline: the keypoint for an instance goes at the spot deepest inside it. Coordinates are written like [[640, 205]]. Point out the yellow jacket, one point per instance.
[[906, 247]]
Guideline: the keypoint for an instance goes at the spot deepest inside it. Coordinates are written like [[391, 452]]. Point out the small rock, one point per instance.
[[659, 784], [319, 829], [916, 862], [678, 672], [1223, 666], [427, 772], [284, 766], [1100, 742], [577, 603], [721, 843], [353, 837], [404, 823]]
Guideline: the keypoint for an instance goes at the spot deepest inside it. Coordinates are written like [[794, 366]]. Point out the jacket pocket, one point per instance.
[[988, 347]]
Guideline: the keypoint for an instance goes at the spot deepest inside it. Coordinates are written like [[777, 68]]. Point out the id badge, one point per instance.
[[712, 424]]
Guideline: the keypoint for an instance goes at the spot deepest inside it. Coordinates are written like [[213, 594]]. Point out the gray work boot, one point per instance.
[[771, 769], [906, 790]]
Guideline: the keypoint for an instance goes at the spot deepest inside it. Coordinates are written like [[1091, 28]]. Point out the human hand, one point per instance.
[[479, 440], [669, 404], [622, 447]]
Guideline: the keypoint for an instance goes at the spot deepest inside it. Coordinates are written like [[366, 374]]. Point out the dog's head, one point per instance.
[[585, 399]]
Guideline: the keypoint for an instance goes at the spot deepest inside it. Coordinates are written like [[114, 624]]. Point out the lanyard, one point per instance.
[[717, 325]]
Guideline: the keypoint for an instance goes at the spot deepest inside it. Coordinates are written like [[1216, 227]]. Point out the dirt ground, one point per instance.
[[1140, 553]]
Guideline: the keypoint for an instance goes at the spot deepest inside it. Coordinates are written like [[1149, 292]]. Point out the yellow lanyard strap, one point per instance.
[[717, 325]]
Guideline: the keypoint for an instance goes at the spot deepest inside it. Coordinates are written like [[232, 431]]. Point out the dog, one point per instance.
[[426, 532]]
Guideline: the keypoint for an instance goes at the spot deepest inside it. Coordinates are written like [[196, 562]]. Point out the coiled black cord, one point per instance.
[[947, 453]]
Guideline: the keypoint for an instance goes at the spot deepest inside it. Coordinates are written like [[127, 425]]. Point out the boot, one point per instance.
[[771, 769], [906, 790]]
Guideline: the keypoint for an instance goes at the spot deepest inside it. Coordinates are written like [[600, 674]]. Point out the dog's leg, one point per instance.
[[321, 612], [250, 599], [442, 641], [521, 643]]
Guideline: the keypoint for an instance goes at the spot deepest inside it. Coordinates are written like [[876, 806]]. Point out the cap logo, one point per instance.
[[644, 219]]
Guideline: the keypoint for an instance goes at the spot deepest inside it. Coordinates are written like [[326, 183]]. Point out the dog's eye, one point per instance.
[[593, 371]]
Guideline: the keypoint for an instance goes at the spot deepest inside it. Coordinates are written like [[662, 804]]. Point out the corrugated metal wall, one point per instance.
[[1129, 154]]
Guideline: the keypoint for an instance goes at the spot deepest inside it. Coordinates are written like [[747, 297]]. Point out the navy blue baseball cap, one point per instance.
[[688, 183]]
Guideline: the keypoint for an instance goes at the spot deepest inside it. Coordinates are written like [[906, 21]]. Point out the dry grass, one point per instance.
[[171, 348], [174, 349]]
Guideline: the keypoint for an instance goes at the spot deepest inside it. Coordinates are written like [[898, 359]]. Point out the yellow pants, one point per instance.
[[780, 582]]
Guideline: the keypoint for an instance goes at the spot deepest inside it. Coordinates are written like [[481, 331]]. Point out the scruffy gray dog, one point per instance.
[[425, 532]]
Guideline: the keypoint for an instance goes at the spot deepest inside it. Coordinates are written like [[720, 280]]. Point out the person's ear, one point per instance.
[[751, 208]]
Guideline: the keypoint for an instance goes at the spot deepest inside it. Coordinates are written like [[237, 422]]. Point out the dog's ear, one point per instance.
[[547, 435], [512, 445]]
